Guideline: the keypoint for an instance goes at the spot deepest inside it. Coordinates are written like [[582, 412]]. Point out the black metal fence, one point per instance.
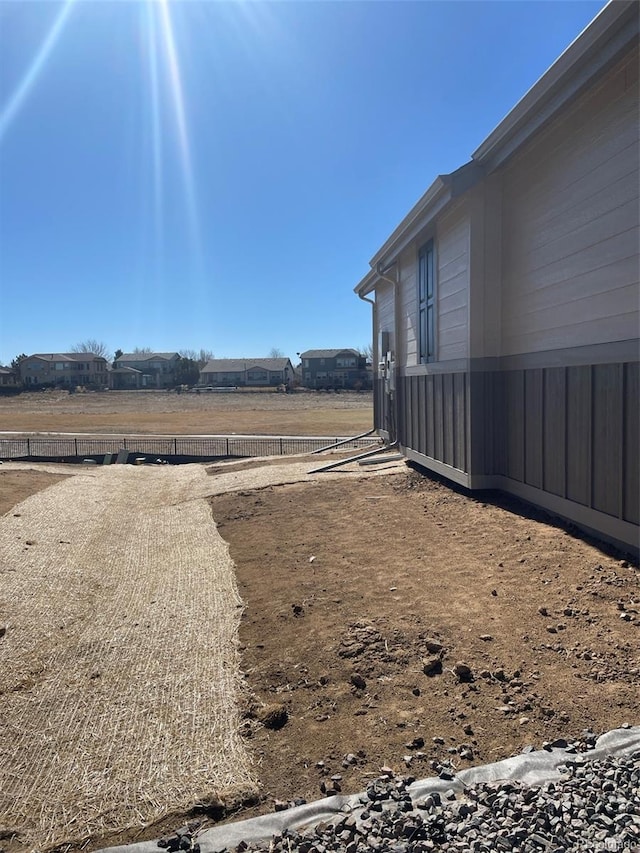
[[170, 449]]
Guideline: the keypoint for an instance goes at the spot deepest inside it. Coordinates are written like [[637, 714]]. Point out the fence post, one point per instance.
[[227, 445], [281, 451], [175, 446], [75, 441], [28, 447]]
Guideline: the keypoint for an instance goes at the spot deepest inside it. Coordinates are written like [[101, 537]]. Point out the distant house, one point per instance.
[[334, 368], [153, 370], [66, 369], [125, 378], [506, 303], [246, 372], [9, 379]]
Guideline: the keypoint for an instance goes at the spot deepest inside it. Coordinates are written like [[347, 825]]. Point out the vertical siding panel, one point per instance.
[[460, 433], [607, 438], [515, 424], [482, 421], [430, 404], [555, 420], [406, 411], [415, 413], [396, 411], [438, 417], [500, 423], [422, 413], [631, 471], [579, 434], [404, 423], [448, 418], [534, 405]]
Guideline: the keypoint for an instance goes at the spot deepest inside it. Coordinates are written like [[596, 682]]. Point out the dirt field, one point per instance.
[[162, 413], [351, 587], [400, 566]]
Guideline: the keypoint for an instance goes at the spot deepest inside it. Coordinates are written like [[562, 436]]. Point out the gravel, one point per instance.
[[595, 805]]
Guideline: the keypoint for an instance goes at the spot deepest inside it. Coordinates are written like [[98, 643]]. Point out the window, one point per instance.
[[346, 362], [426, 303]]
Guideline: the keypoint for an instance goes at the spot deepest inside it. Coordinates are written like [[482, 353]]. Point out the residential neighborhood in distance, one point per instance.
[[322, 369]]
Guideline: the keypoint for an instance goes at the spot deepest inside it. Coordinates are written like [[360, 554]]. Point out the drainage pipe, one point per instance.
[[364, 455], [342, 441]]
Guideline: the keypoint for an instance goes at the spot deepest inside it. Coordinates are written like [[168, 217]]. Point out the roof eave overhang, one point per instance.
[[428, 206], [440, 194], [599, 45]]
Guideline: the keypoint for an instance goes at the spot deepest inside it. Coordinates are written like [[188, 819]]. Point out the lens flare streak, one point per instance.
[[177, 95], [30, 78]]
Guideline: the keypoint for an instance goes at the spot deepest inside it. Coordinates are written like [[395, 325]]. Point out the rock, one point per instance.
[[543, 611], [358, 681], [433, 646], [432, 665], [486, 638], [463, 672], [3, 630]]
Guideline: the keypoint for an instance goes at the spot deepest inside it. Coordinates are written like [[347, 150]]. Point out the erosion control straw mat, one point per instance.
[[119, 665]]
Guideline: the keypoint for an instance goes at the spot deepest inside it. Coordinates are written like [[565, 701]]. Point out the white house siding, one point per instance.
[[570, 225], [385, 314], [452, 259], [408, 349]]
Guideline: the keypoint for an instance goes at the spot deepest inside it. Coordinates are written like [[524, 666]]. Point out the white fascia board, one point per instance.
[[438, 194], [591, 52], [367, 284]]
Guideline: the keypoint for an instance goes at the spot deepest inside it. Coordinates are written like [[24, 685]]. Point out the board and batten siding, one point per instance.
[[570, 225]]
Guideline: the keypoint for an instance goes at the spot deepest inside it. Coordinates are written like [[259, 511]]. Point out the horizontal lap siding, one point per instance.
[[452, 259], [408, 350], [385, 312], [570, 226]]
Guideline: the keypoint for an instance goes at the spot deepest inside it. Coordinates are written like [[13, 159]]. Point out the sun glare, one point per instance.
[[163, 50], [17, 99]]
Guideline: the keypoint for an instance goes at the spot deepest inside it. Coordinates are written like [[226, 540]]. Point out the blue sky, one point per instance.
[[181, 174]]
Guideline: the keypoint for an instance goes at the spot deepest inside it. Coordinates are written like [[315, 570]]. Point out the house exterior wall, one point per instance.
[[452, 285], [60, 369], [9, 379], [536, 388], [157, 371], [570, 225], [344, 369]]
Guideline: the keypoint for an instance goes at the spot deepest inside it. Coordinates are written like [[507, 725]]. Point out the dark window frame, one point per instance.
[[427, 303]]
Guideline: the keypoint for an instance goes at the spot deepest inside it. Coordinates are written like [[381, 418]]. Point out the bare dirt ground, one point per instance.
[[353, 588], [163, 413]]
